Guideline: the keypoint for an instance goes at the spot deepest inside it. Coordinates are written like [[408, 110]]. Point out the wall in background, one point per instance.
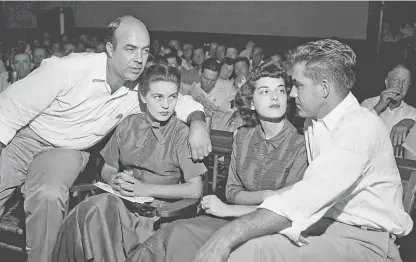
[[346, 20]]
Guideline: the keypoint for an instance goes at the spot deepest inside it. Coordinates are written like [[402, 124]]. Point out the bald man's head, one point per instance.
[[124, 23], [127, 49]]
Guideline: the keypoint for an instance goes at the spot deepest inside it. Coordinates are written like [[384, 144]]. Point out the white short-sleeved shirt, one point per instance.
[[67, 102], [388, 116]]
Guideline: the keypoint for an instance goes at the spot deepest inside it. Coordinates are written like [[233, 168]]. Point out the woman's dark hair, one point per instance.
[[156, 73], [244, 97]]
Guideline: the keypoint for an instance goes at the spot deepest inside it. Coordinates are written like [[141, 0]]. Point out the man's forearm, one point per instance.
[[378, 109], [196, 116], [260, 223]]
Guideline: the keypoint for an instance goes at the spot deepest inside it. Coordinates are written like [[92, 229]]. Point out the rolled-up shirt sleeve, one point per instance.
[[27, 98], [185, 106], [328, 179]]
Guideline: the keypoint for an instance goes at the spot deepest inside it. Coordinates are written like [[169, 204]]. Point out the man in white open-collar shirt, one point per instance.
[[397, 115], [348, 207], [64, 107]]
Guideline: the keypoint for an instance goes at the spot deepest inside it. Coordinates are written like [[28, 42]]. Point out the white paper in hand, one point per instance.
[[136, 199]]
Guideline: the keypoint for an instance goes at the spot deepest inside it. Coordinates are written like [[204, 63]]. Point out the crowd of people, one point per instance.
[[328, 191]]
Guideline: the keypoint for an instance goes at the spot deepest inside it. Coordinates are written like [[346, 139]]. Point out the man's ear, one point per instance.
[[110, 48], [325, 88]]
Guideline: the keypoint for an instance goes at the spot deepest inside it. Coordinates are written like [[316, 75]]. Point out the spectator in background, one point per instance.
[[187, 56], [249, 49], [193, 75], [155, 47], [83, 38], [22, 64], [69, 48], [81, 48], [174, 61], [220, 53], [39, 53], [256, 57], [168, 50], [212, 50], [58, 54], [241, 70], [397, 115], [100, 47], [175, 44], [277, 59], [213, 93], [226, 69], [56, 46], [231, 52]]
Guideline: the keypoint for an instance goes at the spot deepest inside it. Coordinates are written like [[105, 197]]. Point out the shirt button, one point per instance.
[[119, 116]]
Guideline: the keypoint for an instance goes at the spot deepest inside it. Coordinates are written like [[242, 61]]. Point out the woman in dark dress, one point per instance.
[[146, 156]]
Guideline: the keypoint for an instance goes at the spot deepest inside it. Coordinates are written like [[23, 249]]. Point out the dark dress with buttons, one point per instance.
[[101, 228]]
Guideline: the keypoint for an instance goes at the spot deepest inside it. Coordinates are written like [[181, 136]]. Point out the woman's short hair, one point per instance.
[[244, 96], [156, 73]]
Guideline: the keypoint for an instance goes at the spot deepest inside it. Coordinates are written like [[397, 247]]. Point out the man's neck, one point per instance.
[[332, 103], [395, 104], [113, 80]]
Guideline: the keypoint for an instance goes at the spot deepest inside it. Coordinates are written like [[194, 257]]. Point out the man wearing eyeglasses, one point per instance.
[[397, 115]]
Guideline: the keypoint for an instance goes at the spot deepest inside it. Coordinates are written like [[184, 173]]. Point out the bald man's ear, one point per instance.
[[325, 88], [109, 48]]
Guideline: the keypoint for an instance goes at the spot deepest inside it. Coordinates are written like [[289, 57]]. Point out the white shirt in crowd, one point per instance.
[[391, 117], [352, 176], [70, 102], [221, 95]]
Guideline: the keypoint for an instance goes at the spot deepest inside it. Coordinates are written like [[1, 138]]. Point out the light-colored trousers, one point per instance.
[[329, 241], [46, 173]]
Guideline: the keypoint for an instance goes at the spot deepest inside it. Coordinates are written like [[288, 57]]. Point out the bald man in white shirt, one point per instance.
[[349, 205], [396, 114], [61, 109]]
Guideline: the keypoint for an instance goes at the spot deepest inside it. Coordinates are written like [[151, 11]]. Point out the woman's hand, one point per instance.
[[124, 183], [214, 206]]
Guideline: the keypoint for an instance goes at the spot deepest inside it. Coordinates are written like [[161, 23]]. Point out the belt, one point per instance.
[[370, 228]]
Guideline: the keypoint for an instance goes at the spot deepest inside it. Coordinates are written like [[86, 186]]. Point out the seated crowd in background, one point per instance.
[[270, 187]]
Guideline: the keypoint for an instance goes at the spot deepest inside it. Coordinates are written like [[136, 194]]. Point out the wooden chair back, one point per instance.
[[407, 169]]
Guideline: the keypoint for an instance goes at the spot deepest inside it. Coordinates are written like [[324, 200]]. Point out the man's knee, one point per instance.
[[59, 160], [46, 195]]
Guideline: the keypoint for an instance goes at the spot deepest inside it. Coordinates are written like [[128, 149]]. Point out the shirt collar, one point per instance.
[[331, 119], [155, 126], [275, 141], [400, 107]]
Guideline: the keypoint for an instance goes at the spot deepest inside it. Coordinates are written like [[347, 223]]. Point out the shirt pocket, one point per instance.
[[108, 122]]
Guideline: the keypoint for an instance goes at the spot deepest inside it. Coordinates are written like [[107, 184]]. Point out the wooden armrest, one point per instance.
[[177, 208], [82, 187]]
